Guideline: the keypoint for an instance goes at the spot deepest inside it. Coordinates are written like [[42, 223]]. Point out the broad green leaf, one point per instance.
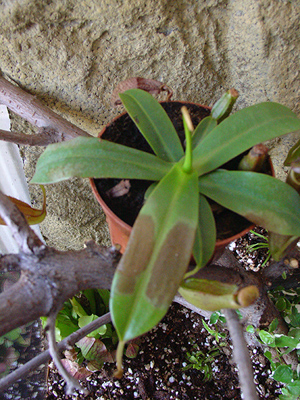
[[87, 319], [267, 338], [205, 239], [214, 318], [64, 327], [262, 199], [241, 131], [283, 373], [32, 215], [95, 158], [285, 341], [156, 257], [205, 126], [154, 124], [294, 388], [213, 295]]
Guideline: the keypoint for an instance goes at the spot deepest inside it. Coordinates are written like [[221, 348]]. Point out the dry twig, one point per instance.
[[53, 128]]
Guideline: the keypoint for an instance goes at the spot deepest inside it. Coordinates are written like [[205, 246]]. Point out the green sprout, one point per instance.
[[202, 362], [259, 246]]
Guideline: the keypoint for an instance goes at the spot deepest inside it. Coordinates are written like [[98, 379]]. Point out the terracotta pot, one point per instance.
[[120, 230]]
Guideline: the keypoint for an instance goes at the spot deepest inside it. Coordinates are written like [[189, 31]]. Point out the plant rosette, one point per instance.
[[176, 219], [121, 200]]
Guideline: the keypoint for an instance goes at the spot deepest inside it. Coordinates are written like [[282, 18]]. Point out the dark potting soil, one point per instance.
[[124, 131], [162, 370]]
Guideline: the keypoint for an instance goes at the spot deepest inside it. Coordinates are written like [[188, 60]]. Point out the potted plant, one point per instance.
[[122, 200], [176, 219]]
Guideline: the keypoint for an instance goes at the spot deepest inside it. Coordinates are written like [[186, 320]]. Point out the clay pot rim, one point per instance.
[[127, 228]]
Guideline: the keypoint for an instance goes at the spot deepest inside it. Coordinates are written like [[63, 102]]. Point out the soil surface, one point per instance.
[[159, 370]]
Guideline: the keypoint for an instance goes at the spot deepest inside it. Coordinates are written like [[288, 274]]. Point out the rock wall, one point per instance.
[[72, 54]]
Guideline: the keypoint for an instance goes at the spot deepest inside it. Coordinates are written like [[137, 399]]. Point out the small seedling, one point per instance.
[[202, 361], [260, 245], [214, 332]]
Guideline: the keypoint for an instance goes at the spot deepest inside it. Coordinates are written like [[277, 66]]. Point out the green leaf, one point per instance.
[[268, 355], [285, 341], [105, 295], [242, 130], [64, 326], [262, 199], [294, 388], [273, 325], [281, 304], [154, 124], [283, 373], [250, 329], [267, 338], [95, 158], [205, 126], [13, 335], [77, 307], [214, 318], [87, 319], [156, 257], [206, 234]]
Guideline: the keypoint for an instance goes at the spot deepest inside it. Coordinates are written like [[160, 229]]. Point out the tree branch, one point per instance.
[[30, 108], [50, 279], [71, 382], [241, 355], [45, 137]]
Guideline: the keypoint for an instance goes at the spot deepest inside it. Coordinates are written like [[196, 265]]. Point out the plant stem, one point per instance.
[[120, 350], [241, 355], [188, 130]]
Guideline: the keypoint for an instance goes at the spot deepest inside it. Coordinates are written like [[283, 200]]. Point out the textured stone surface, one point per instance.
[[72, 54]]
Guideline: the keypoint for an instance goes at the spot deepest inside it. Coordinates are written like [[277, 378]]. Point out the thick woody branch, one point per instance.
[[30, 108], [50, 279]]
